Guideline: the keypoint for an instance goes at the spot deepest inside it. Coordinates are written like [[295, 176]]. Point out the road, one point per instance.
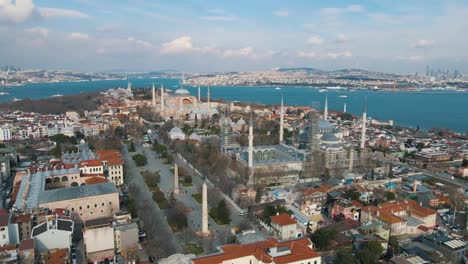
[[438, 175], [154, 221], [166, 185]]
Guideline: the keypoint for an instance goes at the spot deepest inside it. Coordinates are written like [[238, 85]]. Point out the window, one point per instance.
[[87, 206], [102, 204], [95, 205], [110, 203], [73, 209], [81, 208]]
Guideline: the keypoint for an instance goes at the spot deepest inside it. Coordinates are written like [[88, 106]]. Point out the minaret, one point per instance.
[[162, 98], [176, 178], [208, 98], [154, 96], [205, 210], [199, 94], [344, 108], [250, 182], [281, 122], [250, 150], [363, 129], [325, 111]]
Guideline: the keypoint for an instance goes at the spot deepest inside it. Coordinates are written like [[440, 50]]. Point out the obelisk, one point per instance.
[[205, 231], [176, 178]]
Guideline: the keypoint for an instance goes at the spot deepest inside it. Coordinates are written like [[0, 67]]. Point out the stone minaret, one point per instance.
[[363, 129], [162, 98], [205, 210], [281, 122], [250, 150], [250, 154], [199, 94], [325, 111], [153, 96], [344, 108], [208, 98], [176, 178]]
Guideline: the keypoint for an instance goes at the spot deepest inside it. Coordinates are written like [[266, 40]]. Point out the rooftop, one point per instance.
[[283, 219], [71, 193]]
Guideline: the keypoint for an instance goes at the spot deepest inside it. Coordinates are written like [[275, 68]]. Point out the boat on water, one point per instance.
[[343, 96], [277, 88], [4, 93], [15, 99], [57, 95], [334, 88], [322, 90]]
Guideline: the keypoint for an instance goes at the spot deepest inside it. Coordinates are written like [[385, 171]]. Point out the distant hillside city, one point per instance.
[[433, 79]]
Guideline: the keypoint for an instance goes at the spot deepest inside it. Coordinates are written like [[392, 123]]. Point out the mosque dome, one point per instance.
[[182, 91], [330, 138], [241, 122]]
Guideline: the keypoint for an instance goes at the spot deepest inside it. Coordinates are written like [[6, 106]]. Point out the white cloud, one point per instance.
[[315, 40], [38, 32], [422, 43], [336, 55], [341, 38], [410, 58], [16, 11], [244, 52], [338, 11], [281, 13], [219, 18], [179, 45], [308, 55], [78, 36], [140, 43], [48, 12]]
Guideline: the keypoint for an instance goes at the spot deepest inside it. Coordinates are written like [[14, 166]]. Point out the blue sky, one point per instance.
[[196, 35]]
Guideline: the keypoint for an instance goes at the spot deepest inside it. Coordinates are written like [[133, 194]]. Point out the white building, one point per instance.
[[5, 133], [52, 234], [176, 133]]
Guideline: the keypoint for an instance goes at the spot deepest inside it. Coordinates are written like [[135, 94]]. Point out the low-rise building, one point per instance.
[[272, 251], [98, 238], [454, 249], [53, 234], [284, 226], [84, 202]]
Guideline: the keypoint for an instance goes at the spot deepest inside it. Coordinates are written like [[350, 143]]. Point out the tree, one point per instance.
[[465, 163], [79, 135], [221, 213], [323, 236], [188, 179], [390, 196], [370, 253], [395, 245], [344, 256], [140, 160], [132, 147], [258, 195], [352, 194]]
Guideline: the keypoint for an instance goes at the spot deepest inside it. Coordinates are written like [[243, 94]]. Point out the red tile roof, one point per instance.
[[26, 244], [283, 219], [300, 250]]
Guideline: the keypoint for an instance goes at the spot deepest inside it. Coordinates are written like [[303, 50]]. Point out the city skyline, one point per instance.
[[193, 35]]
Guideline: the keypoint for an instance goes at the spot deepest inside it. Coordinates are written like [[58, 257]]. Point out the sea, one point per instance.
[[423, 109]]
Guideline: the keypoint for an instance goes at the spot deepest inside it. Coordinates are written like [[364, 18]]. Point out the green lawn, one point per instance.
[[193, 248], [187, 184], [197, 197]]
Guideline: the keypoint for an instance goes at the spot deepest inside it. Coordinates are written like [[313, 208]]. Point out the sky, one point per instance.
[[397, 36]]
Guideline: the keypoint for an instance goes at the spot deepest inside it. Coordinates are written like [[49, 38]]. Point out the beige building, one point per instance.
[[98, 237], [84, 202], [125, 235], [284, 226]]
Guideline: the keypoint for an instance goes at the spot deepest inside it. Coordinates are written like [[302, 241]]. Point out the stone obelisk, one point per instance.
[[176, 178], [205, 230]]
